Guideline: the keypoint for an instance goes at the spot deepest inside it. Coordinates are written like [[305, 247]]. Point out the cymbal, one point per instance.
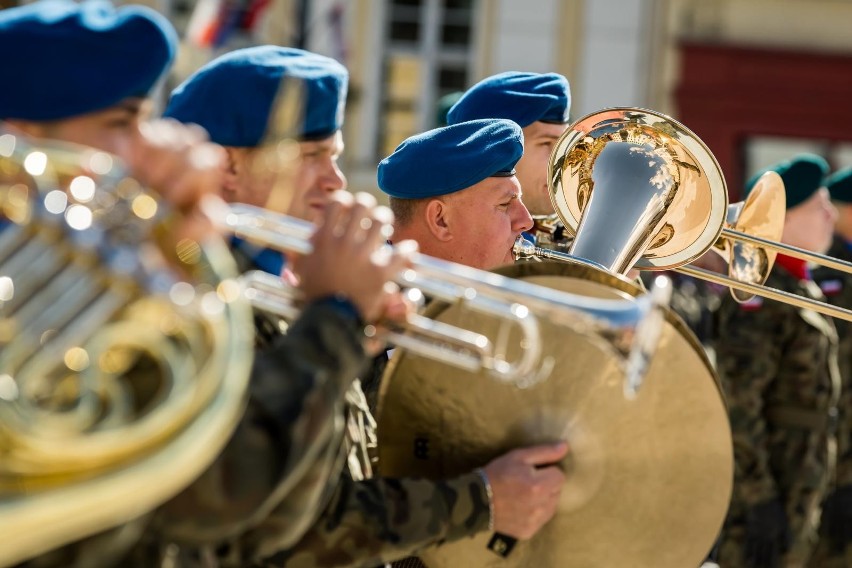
[[648, 480]]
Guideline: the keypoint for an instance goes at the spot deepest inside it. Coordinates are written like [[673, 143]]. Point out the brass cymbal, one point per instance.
[[648, 480]]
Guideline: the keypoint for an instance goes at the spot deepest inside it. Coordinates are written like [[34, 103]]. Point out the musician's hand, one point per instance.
[[344, 261], [177, 161], [395, 310], [525, 488]]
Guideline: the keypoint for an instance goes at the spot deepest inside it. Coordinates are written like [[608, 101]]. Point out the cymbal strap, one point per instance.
[[502, 544]]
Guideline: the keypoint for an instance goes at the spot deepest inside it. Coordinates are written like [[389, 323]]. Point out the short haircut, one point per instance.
[[404, 209]]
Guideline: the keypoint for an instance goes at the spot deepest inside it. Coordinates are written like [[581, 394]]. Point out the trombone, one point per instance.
[[670, 217], [628, 327]]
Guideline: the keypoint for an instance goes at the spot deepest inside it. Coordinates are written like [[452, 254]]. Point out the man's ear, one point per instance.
[[436, 214]]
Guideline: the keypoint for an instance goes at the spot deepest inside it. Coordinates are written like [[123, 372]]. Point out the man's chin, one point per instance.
[[510, 259]]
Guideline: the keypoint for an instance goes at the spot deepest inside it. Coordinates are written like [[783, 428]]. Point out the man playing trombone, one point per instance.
[[778, 367]]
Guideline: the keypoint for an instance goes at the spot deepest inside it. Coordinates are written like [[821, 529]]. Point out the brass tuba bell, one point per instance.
[[636, 187], [123, 366], [640, 189]]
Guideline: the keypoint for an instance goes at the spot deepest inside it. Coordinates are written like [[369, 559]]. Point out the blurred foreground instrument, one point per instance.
[[124, 352]]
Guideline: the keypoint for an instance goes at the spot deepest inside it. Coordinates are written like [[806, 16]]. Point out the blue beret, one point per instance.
[[232, 96], [839, 185], [452, 158], [522, 97], [802, 176], [68, 59]]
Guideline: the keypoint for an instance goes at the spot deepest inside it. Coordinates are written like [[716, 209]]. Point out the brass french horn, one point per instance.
[[124, 357]]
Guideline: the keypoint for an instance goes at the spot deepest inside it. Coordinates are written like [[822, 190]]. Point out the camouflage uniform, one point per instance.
[[694, 300], [361, 521], [369, 521], [837, 287], [777, 364]]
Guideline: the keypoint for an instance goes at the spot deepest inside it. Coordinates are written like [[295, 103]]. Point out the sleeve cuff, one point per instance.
[[472, 511], [344, 307]]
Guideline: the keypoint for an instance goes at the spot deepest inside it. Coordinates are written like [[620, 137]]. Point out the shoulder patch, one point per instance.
[[831, 287], [752, 305]]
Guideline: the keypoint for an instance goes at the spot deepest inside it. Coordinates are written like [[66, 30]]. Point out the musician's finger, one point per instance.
[[359, 219], [544, 454], [551, 479], [334, 214], [401, 256]]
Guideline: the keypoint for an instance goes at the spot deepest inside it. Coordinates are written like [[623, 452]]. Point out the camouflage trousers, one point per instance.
[[804, 530], [732, 548], [825, 557]]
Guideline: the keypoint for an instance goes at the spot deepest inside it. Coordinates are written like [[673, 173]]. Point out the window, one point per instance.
[[764, 151], [427, 56]]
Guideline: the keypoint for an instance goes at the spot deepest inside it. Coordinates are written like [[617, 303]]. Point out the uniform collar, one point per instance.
[[795, 266]]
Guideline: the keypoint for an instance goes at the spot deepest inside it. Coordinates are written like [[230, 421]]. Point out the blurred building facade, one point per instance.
[[758, 80]]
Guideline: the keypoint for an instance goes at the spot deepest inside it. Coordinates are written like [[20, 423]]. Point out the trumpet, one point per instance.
[[630, 328]]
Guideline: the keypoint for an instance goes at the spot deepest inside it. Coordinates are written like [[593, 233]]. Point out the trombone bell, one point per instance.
[[761, 214]]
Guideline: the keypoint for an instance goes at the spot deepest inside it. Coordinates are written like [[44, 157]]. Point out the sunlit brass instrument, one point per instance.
[[641, 467], [123, 366], [635, 192], [627, 328], [639, 178], [760, 216]]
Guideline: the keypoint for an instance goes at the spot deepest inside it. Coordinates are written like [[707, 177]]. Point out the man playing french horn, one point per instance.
[[297, 383]]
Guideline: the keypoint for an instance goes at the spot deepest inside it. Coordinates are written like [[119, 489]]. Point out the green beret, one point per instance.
[[802, 176], [839, 185], [444, 105]]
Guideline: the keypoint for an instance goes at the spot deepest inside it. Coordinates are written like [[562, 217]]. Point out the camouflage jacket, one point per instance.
[[269, 485], [837, 288], [358, 521], [369, 521], [777, 365]]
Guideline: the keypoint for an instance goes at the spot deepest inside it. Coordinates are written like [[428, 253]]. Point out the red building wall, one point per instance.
[[727, 94]]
